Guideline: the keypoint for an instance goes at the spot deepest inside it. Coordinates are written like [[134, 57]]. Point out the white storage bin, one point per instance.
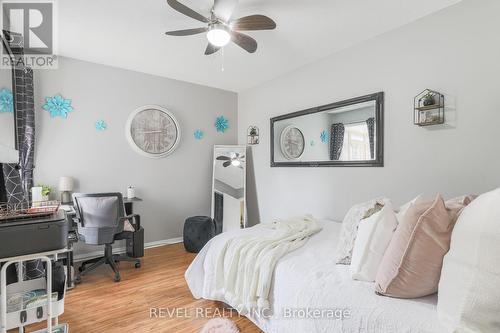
[[14, 318]]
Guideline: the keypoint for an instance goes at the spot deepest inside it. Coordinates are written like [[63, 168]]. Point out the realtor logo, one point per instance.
[[34, 20]]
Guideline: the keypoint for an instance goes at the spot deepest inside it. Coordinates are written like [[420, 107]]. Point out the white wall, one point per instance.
[[173, 188], [455, 51]]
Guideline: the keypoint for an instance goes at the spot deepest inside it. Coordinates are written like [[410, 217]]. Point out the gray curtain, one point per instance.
[[336, 141], [3, 193], [370, 123], [218, 212], [19, 178]]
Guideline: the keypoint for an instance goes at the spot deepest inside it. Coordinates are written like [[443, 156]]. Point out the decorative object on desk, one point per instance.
[[130, 192], [36, 194], [101, 125], [324, 136], [198, 134], [6, 101], [253, 135], [66, 185], [46, 190], [153, 131], [221, 124], [429, 108], [58, 106], [292, 142]]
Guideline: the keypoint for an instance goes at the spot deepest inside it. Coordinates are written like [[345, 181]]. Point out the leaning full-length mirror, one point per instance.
[[345, 133], [229, 188]]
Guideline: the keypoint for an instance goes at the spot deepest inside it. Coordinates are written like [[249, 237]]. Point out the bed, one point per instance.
[[310, 293]]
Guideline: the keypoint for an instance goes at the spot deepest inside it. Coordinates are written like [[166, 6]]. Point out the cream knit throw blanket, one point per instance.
[[245, 264]]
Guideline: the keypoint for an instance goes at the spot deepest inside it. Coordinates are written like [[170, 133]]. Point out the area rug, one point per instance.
[[220, 325]]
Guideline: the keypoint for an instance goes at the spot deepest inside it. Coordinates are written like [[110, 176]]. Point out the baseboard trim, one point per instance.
[[119, 250]]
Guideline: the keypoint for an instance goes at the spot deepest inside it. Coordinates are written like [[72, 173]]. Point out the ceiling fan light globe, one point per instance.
[[235, 163], [218, 35]]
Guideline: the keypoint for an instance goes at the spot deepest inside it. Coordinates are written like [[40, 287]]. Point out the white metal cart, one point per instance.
[[50, 311]]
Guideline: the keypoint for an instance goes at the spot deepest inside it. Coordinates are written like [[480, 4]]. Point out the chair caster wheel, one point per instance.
[[117, 279], [137, 265], [78, 280]]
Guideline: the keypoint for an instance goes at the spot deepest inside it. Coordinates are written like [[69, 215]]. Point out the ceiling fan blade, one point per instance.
[[224, 8], [244, 41], [223, 158], [187, 11], [253, 22], [226, 164], [186, 32], [210, 50]]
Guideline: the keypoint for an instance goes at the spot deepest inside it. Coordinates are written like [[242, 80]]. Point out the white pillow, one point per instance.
[[403, 209], [374, 236], [469, 288], [350, 229]]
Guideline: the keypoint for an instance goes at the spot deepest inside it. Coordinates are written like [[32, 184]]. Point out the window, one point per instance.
[[356, 143]]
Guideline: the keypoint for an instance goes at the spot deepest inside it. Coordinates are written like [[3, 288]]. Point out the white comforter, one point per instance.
[[310, 293], [240, 269]]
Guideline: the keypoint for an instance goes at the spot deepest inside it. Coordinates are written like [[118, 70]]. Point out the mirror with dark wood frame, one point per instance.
[[345, 133]]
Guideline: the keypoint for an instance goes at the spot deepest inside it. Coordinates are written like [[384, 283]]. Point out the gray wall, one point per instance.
[[455, 51], [174, 187]]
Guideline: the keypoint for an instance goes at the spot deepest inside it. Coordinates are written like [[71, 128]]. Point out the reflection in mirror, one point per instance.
[[229, 188], [339, 134]]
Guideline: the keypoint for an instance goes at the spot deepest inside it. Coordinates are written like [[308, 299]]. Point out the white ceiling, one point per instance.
[[130, 34]]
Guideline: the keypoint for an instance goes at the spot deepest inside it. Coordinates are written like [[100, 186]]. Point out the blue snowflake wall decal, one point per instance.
[[198, 134], [324, 136], [101, 125], [221, 124], [6, 101], [58, 106]]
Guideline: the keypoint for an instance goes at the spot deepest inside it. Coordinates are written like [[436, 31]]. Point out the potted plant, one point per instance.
[[46, 190], [429, 99]]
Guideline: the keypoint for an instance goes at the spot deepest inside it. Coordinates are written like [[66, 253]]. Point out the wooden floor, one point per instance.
[[101, 305]]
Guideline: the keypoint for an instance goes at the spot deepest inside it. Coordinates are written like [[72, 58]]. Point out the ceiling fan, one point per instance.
[[220, 28], [235, 160]]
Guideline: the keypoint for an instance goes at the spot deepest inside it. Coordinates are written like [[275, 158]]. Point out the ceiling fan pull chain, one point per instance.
[[222, 52]]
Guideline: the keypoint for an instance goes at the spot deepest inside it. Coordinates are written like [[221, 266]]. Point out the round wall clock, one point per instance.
[[153, 131], [292, 142]]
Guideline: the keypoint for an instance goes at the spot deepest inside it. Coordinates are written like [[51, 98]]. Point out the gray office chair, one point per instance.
[[100, 220]]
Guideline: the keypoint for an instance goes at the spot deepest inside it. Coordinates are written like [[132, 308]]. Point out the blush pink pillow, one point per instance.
[[412, 263], [456, 205]]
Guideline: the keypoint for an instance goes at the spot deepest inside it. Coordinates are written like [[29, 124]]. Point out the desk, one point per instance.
[[129, 204]]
